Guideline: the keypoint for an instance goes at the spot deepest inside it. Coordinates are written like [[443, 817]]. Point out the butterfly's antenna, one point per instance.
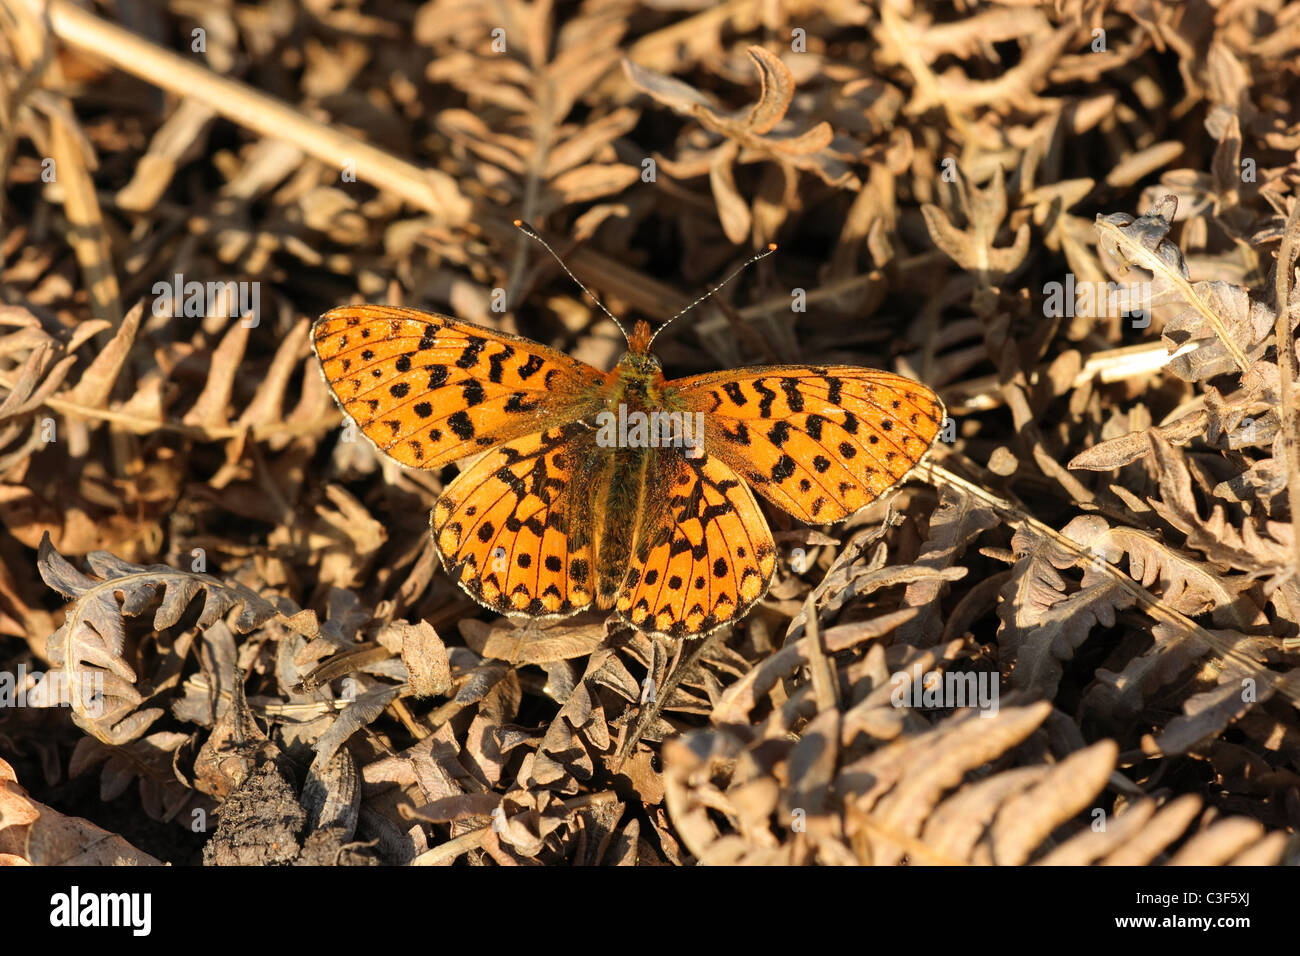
[[771, 248], [532, 233]]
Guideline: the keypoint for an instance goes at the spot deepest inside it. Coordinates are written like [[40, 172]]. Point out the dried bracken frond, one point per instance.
[[520, 148], [98, 682], [761, 132]]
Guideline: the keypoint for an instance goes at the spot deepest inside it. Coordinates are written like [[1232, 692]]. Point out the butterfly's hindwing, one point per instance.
[[702, 559], [513, 528]]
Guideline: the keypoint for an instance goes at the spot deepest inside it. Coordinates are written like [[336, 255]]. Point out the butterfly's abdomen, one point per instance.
[[615, 503]]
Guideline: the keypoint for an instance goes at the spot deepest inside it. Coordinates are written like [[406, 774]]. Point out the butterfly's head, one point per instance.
[[637, 359]]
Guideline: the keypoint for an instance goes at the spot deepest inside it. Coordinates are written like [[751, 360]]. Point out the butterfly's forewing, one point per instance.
[[513, 528], [820, 442], [429, 390], [706, 555]]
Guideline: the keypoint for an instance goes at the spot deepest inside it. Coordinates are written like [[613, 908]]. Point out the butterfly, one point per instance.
[[616, 490]]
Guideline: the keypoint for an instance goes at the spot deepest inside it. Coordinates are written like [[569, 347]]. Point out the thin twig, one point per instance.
[[427, 189]]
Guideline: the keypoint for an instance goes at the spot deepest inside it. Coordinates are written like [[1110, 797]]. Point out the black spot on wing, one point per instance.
[[783, 468], [793, 397], [530, 368], [496, 364], [470, 353], [461, 425], [779, 434], [518, 402], [738, 437], [735, 393]]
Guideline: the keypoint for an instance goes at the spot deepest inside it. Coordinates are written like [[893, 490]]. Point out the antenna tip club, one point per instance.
[[527, 229], [771, 247]]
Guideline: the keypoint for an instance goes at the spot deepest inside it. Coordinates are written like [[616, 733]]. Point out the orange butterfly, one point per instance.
[[616, 489]]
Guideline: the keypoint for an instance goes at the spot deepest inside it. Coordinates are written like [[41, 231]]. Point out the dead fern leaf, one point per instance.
[[87, 648], [522, 150], [748, 135]]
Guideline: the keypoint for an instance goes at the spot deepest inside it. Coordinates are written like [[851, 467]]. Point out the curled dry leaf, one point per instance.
[[36, 835]]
